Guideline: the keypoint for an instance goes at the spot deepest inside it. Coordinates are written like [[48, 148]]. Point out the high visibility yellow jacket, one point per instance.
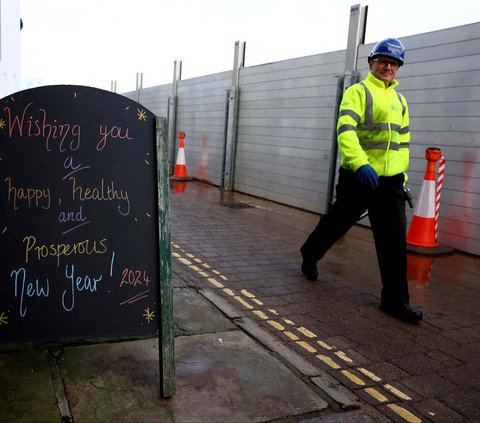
[[373, 127]]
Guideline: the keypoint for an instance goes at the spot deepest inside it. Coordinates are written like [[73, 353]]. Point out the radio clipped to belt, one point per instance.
[[408, 196]]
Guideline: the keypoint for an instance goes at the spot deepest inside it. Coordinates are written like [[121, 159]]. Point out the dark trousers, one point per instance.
[[386, 211]]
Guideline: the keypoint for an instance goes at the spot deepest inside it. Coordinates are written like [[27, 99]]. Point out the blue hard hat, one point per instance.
[[390, 47]]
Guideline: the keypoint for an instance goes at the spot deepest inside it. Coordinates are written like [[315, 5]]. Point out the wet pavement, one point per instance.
[[425, 372], [256, 341]]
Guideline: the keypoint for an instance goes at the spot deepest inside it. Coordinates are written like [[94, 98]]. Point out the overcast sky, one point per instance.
[[94, 42]]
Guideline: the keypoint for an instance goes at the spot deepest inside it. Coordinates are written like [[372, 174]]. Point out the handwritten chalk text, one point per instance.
[[25, 289], [37, 125], [134, 277], [105, 192], [72, 216], [115, 132], [42, 251], [77, 283], [31, 197]]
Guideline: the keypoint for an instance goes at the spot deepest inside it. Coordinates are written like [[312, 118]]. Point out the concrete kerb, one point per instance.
[[340, 395]]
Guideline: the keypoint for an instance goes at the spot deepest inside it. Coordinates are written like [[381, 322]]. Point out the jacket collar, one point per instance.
[[372, 78]]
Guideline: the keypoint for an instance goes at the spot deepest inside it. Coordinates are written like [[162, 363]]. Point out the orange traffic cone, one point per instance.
[[422, 234], [180, 172]]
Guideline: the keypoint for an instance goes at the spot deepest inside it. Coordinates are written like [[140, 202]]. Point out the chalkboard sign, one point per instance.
[[79, 248]]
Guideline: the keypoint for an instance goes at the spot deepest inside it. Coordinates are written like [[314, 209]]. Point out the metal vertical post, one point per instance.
[[166, 339], [356, 36], [139, 85], [238, 62], [172, 111], [232, 116]]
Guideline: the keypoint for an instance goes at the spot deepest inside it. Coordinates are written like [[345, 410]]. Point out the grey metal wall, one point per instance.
[[286, 118], [442, 85], [154, 98], [286, 123], [201, 115], [201, 109]]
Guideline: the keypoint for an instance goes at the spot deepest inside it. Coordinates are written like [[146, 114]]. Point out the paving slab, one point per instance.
[[222, 376], [251, 386], [26, 389], [192, 313], [114, 382]]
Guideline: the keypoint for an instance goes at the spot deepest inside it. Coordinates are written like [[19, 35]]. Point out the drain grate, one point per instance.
[[236, 205]]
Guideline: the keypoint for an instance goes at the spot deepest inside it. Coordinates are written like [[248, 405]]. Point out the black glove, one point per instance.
[[367, 177]]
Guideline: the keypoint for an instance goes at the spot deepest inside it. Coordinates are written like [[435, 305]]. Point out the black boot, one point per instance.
[[403, 312], [309, 269]]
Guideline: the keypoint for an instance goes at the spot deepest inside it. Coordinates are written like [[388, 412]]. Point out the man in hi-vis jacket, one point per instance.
[[373, 137]]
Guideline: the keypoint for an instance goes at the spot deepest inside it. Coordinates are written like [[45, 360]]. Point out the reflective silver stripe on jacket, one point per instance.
[[383, 145], [369, 125]]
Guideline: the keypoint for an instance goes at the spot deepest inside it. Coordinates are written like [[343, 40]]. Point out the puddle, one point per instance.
[[419, 268]]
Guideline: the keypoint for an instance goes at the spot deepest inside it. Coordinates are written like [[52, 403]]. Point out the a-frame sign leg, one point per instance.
[[166, 340]]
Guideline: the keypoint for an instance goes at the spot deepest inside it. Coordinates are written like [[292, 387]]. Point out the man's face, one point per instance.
[[384, 68]]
